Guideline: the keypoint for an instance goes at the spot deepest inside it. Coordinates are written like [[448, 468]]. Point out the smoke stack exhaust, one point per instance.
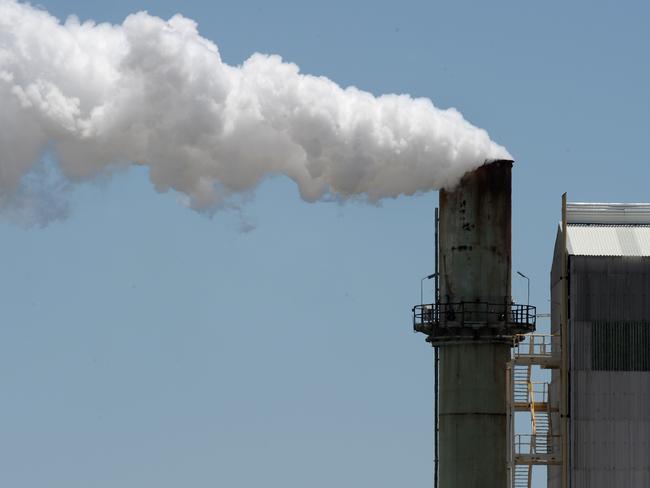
[[154, 93], [473, 325]]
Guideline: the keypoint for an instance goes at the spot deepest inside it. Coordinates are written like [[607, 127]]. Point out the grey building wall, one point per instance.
[[609, 375], [609, 334], [554, 473]]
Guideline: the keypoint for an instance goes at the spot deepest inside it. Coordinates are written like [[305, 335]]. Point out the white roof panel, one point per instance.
[[608, 240]]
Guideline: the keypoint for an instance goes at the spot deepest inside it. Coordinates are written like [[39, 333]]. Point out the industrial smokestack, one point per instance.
[[474, 325], [475, 236], [155, 93]]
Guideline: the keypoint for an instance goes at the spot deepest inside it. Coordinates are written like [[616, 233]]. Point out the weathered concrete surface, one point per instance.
[[475, 266], [472, 415], [475, 236]]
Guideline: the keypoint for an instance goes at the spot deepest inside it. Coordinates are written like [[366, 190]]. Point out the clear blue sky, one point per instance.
[[145, 345]]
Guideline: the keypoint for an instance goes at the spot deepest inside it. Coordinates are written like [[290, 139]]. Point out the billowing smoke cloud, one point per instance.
[[154, 92]]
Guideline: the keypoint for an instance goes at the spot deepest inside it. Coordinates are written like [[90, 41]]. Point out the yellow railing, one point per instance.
[[545, 345], [538, 391], [535, 443]]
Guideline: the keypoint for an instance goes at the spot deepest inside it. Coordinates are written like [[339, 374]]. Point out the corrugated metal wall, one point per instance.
[[554, 473], [610, 385]]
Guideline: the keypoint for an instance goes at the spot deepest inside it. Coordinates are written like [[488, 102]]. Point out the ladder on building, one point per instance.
[[537, 447]]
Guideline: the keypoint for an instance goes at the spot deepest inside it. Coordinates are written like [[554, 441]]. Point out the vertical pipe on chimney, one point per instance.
[[436, 360]]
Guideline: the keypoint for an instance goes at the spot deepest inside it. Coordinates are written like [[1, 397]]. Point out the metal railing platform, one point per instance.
[[537, 349], [464, 320]]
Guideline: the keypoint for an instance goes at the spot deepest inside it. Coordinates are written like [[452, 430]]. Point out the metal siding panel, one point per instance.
[[608, 213], [554, 473], [610, 410], [556, 283]]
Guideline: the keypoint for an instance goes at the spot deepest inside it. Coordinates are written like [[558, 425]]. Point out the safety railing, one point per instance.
[[472, 314], [537, 345], [538, 391], [535, 443], [525, 391]]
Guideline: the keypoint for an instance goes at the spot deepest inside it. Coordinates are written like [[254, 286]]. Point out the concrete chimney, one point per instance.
[[474, 325]]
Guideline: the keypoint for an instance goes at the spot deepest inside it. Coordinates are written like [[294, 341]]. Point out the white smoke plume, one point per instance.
[[154, 92]]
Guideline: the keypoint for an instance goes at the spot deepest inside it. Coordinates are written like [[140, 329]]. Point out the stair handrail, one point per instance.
[[546, 345]]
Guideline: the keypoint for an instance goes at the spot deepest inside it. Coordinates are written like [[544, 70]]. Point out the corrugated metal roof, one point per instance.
[[608, 213], [608, 240]]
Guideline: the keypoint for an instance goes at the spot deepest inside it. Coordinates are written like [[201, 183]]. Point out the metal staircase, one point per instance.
[[531, 397], [522, 476]]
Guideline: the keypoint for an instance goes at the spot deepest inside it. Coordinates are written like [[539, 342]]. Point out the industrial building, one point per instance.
[[590, 424], [606, 300]]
